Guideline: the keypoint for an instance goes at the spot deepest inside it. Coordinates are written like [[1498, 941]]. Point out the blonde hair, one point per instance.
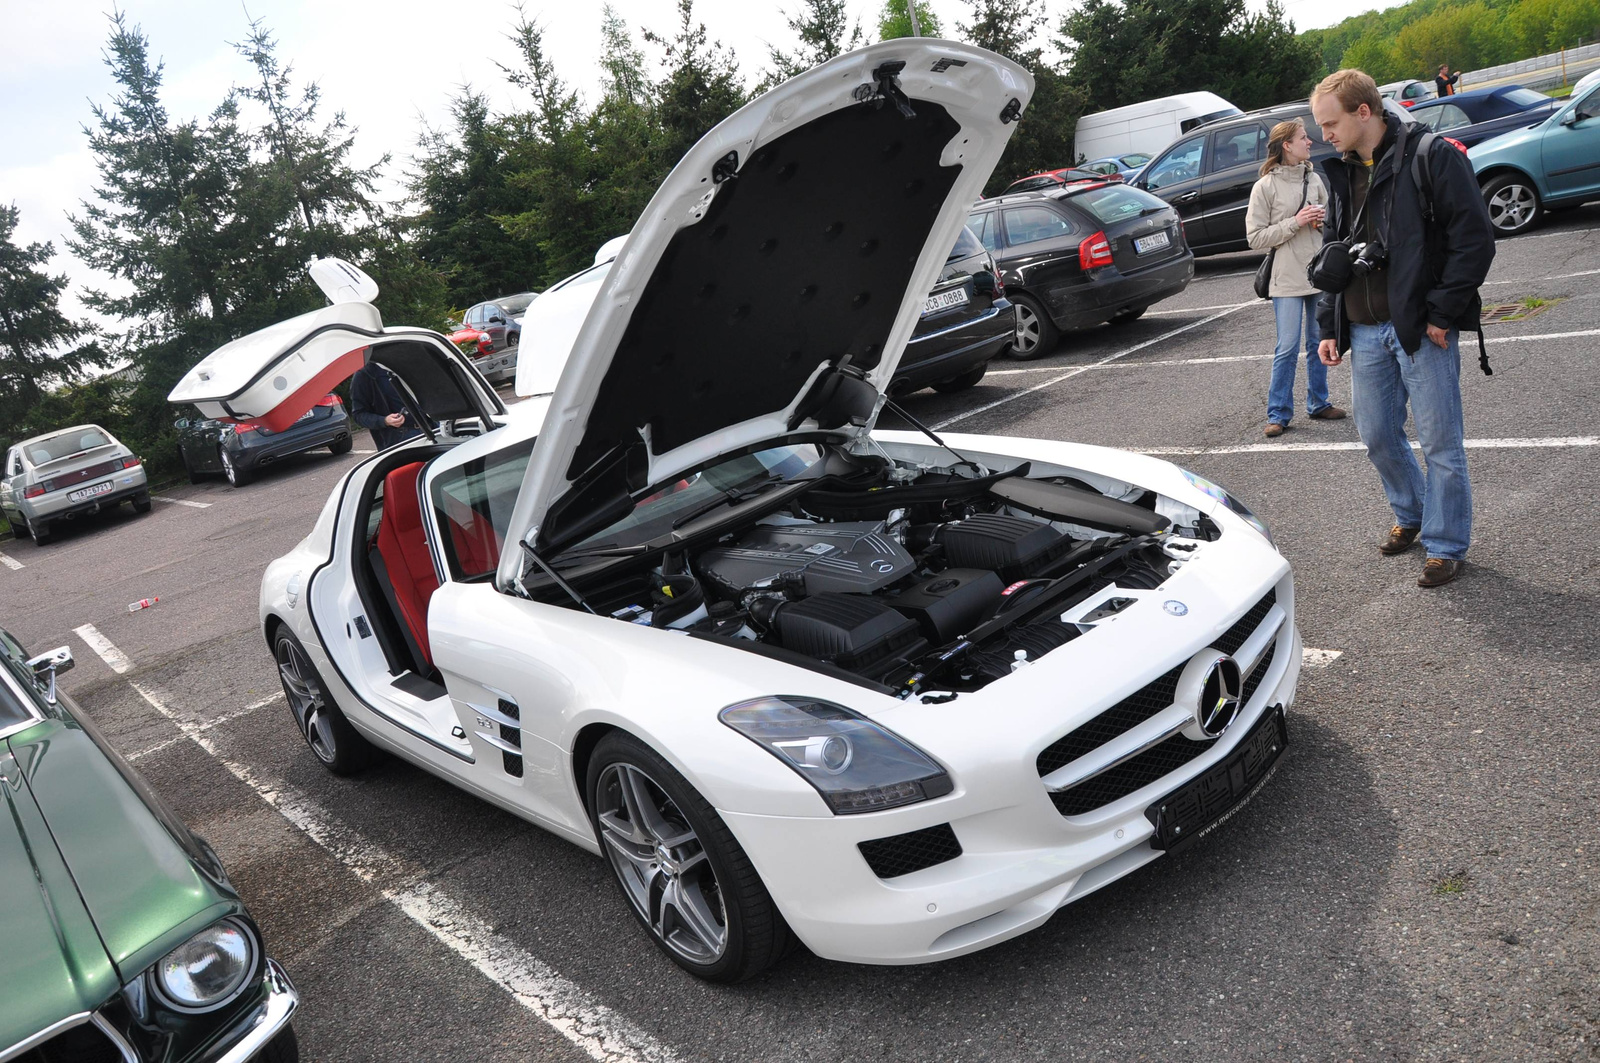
[[1351, 88], [1282, 133]]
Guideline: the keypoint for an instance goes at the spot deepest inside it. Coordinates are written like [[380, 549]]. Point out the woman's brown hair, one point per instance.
[[1281, 132]]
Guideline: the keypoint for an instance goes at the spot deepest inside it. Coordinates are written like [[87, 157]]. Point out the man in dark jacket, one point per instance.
[[1445, 83], [1401, 321], [375, 402]]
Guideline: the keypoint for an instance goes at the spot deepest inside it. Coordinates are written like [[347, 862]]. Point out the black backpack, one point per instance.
[[1422, 177]]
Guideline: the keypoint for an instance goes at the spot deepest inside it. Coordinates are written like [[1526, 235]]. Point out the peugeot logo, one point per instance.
[[1219, 697]]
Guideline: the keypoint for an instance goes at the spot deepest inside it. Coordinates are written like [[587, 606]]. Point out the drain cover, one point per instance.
[[1512, 312]]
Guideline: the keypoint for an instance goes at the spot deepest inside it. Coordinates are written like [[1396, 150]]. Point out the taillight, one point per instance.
[[330, 400], [36, 490], [1094, 251], [244, 426], [130, 463]]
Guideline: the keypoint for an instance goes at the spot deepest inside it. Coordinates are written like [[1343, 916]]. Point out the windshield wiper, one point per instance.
[[732, 498], [602, 550]]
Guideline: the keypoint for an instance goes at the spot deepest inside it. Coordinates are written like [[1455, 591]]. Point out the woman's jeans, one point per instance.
[[1383, 377], [1297, 327]]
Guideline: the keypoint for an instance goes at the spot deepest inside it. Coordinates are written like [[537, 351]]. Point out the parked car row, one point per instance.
[[66, 474]]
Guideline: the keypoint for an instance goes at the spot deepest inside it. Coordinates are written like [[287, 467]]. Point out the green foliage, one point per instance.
[[701, 86], [820, 26], [894, 20], [38, 343]]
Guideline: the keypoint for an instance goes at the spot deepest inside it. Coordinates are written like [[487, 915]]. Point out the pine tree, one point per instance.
[[824, 31], [38, 343], [700, 89], [894, 20]]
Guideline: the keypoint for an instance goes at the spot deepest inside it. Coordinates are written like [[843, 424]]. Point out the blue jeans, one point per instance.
[[1293, 312], [1383, 378]]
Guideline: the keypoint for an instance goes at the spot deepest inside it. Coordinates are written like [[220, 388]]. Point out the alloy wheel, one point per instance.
[[1512, 206], [1027, 337], [306, 701], [662, 864], [228, 469]]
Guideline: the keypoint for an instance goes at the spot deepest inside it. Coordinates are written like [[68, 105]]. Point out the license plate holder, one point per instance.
[[84, 493], [1199, 806], [1153, 242], [944, 301]]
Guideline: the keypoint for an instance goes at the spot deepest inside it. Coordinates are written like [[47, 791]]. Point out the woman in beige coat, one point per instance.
[[1286, 211]]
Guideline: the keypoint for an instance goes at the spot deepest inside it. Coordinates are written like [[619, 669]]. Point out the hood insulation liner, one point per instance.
[[802, 258]]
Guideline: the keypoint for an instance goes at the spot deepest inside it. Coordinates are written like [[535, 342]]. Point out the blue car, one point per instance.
[[1126, 165], [1473, 117], [1553, 165]]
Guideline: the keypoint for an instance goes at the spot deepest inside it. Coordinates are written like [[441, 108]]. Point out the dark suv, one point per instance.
[[1208, 174], [1079, 256]]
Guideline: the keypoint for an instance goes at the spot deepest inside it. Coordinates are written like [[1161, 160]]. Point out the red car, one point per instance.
[[1066, 177]]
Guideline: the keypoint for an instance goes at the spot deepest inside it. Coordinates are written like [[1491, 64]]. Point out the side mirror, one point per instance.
[[497, 320], [182, 422], [1571, 118], [47, 666]]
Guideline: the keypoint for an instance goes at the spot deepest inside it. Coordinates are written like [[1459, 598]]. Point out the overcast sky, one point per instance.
[[389, 66]]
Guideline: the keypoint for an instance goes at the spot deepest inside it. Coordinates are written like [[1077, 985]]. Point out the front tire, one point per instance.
[[1036, 334], [962, 382], [339, 747], [1513, 204], [681, 871]]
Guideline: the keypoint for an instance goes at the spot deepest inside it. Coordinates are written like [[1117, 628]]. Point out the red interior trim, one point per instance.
[[311, 392]]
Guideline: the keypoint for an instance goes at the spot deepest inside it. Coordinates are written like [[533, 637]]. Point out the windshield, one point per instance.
[[592, 275], [660, 511], [1115, 203], [65, 445], [516, 304]]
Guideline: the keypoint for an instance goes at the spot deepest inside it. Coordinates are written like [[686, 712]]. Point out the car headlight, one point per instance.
[[209, 969], [1221, 494], [856, 765]]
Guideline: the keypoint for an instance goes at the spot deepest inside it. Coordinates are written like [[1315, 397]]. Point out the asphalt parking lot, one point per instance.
[[1418, 881]]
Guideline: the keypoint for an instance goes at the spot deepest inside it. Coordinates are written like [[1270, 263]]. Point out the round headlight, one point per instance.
[[208, 970]]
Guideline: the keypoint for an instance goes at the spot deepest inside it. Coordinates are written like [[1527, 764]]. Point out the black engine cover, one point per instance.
[[851, 558]]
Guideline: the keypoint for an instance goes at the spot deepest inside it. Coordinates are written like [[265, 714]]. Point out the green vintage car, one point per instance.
[[121, 938]]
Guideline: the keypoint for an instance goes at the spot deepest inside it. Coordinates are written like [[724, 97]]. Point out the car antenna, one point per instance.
[[925, 430], [548, 571]]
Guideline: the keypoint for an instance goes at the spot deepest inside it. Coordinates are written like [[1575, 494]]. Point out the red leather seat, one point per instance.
[[403, 545]]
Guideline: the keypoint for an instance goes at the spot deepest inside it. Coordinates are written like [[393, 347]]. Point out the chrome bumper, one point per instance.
[[264, 1022]]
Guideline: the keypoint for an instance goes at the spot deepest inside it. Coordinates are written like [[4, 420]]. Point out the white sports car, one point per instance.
[[895, 696]]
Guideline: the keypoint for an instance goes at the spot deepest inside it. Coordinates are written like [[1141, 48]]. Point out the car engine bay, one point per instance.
[[917, 580]]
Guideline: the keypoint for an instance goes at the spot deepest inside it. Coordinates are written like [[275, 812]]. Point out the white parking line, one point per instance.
[[100, 644], [1220, 276], [182, 502], [1310, 658], [1556, 277], [1288, 448], [207, 725], [1069, 374], [1552, 236], [10, 562], [591, 1026], [1200, 309], [1471, 341]]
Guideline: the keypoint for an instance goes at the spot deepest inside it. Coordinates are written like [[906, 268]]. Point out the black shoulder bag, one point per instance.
[[1264, 271]]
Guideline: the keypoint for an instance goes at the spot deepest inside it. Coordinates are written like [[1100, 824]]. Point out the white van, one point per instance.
[[1148, 126]]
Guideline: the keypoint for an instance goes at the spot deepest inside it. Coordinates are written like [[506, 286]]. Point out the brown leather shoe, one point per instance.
[[1399, 540], [1330, 413], [1438, 571], [1274, 429]]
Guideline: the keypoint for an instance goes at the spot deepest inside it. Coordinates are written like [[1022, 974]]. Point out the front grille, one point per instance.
[[1245, 626], [1125, 715], [81, 1044], [904, 853], [1144, 769]]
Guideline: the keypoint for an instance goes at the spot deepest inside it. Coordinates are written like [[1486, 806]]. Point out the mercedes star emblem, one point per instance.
[[1219, 697]]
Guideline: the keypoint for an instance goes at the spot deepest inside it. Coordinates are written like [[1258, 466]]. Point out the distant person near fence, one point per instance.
[[1284, 219], [1445, 83], [1407, 244]]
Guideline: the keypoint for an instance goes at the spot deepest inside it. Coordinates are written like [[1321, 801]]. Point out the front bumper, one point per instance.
[[258, 1026], [128, 484], [1021, 859]]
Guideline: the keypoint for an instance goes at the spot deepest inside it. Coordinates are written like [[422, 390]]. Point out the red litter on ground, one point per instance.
[[142, 603]]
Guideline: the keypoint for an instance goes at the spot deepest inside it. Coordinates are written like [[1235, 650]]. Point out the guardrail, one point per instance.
[[1540, 72]]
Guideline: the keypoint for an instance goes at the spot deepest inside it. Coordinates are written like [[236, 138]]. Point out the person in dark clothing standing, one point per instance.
[[1445, 83], [1401, 320], [375, 402]]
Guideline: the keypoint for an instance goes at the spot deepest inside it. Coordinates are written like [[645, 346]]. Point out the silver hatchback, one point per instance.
[[68, 473]]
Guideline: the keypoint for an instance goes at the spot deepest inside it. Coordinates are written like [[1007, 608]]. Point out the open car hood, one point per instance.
[[771, 284], [275, 375]]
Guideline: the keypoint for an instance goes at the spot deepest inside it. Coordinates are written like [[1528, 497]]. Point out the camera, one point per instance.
[[1367, 257]]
